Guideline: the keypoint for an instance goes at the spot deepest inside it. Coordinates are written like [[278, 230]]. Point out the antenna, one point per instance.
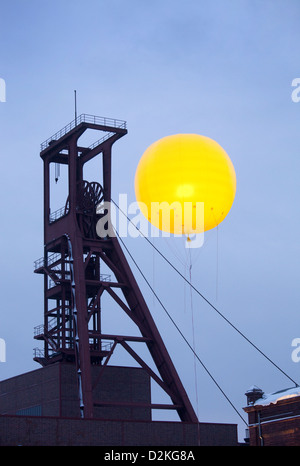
[[75, 101]]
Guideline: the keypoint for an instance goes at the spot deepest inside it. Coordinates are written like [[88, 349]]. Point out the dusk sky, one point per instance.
[[220, 68]]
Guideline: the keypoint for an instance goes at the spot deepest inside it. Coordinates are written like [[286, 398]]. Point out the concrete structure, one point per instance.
[[274, 419]]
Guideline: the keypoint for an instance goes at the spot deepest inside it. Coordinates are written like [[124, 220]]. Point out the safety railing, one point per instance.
[[41, 262], [105, 345], [57, 214], [105, 277], [97, 143], [83, 118], [41, 329], [40, 352]]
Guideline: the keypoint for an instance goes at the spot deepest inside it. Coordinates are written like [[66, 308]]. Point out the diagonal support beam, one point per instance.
[[143, 318], [155, 377], [112, 266], [124, 307]]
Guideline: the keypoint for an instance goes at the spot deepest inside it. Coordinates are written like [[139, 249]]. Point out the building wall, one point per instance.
[[52, 391], [276, 424], [35, 391], [278, 433], [50, 431]]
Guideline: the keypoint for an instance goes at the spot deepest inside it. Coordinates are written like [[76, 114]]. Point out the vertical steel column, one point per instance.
[[80, 307]]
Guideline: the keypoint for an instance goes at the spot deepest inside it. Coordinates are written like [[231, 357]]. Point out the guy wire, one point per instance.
[[207, 301]]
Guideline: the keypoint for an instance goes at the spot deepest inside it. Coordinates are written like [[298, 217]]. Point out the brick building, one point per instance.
[[274, 419], [41, 408], [52, 391]]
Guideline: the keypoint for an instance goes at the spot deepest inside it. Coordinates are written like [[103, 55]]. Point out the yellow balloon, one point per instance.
[[181, 177]]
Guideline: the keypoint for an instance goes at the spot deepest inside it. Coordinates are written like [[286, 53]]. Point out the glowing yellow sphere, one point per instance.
[[181, 173]]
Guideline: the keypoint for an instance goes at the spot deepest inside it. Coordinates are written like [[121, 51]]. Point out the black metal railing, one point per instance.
[[84, 118]]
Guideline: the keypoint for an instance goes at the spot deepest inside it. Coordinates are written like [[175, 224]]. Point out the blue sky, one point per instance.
[[219, 68]]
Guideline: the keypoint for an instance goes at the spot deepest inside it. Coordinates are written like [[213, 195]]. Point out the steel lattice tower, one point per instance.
[[73, 283]]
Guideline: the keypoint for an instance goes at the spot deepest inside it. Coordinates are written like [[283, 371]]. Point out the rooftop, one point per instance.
[[273, 398]]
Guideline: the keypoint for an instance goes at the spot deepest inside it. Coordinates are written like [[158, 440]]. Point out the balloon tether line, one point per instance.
[[180, 332], [194, 340], [208, 302]]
